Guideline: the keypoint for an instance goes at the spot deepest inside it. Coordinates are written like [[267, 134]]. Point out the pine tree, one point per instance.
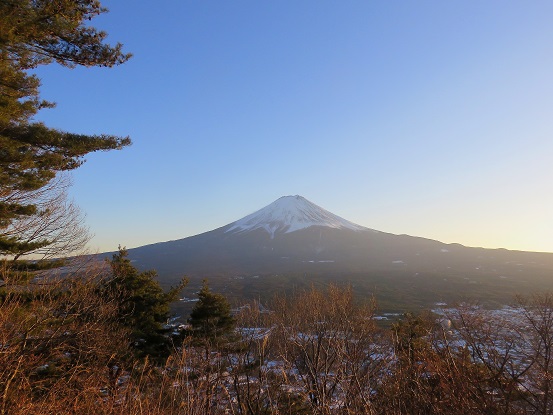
[[211, 318], [143, 306], [33, 33]]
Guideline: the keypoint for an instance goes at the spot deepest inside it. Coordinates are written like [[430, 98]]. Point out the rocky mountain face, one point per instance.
[[293, 235]]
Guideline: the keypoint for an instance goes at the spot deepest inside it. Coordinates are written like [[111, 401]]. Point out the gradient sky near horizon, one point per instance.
[[427, 118]]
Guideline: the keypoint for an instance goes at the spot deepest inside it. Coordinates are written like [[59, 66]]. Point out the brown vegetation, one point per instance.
[[63, 352]]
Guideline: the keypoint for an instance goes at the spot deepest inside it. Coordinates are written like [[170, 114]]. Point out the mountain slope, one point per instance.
[[293, 235]]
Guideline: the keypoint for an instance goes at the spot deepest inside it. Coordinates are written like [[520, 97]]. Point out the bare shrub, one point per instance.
[[57, 229], [58, 343], [330, 345]]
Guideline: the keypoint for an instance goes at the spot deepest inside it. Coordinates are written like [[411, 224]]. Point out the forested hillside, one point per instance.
[[73, 347]]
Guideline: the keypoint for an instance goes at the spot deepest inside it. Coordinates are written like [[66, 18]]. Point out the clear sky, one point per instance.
[[429, 118]]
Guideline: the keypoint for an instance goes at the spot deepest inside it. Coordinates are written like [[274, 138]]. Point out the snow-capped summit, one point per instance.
[[289, 214]]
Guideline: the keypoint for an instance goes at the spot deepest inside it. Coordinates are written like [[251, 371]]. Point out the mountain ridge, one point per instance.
[[297, 236]]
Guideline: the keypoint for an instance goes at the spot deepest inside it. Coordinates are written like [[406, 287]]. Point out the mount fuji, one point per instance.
[[294, 235]]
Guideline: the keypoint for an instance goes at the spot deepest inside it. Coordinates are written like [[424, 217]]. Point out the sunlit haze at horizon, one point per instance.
[[432, 119]]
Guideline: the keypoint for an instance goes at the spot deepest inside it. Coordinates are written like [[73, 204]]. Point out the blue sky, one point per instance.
[[428, 118]]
